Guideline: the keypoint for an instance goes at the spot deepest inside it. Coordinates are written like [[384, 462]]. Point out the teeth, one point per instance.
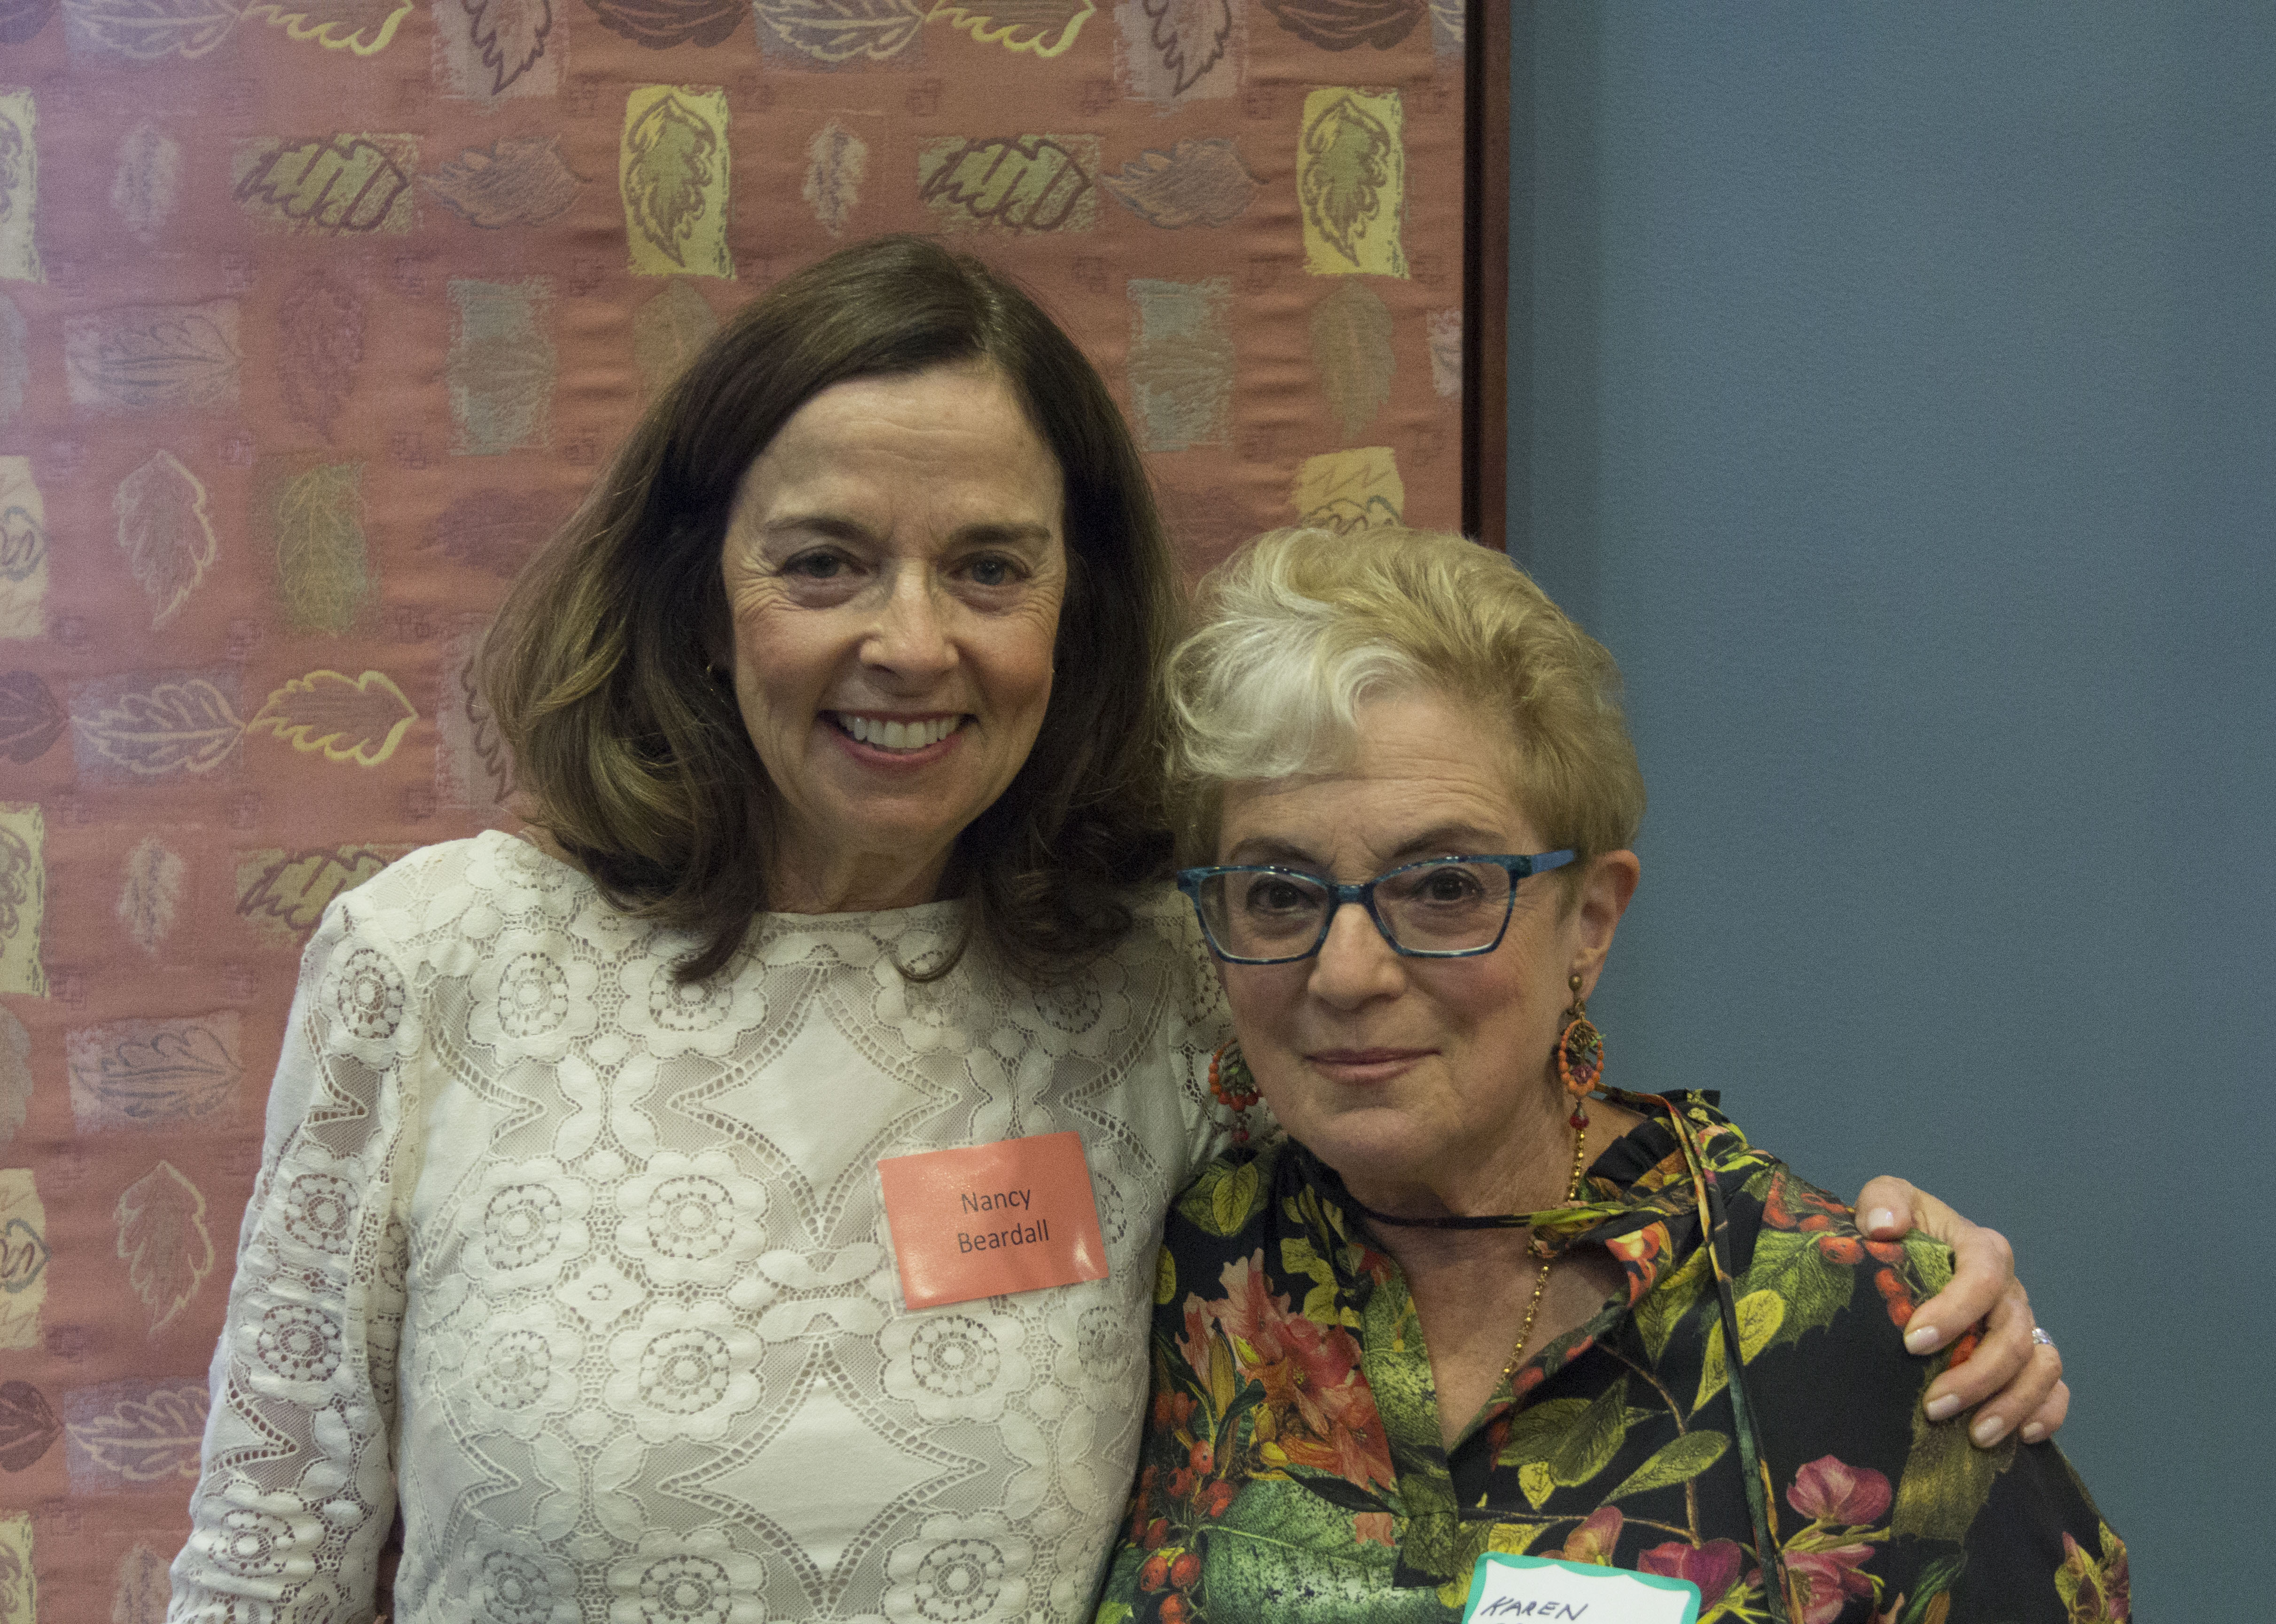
[[897, 735]]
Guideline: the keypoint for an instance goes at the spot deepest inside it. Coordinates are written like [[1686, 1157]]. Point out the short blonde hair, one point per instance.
[[1301, 626]]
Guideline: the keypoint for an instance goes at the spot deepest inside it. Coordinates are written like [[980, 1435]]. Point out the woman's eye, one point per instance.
[[815, 567], [1451, 885], [992, 571], [1279, 896]]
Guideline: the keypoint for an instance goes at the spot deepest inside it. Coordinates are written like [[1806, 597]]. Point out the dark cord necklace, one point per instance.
[[1489, 1221]]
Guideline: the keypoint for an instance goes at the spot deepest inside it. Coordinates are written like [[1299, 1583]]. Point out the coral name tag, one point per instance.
[[1509, 1588], [1014, 1216]]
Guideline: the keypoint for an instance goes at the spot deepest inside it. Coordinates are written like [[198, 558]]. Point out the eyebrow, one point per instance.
[[836, 526], [1444, 840]]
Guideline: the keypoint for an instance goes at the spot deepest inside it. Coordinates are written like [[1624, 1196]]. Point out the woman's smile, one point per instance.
[[897, 740], [1358, 1067]]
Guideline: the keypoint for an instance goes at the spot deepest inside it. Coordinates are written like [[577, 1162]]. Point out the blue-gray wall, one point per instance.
[[1898, 401]]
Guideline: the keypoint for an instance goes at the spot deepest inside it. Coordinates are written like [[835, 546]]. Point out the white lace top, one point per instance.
[[588, 1272]]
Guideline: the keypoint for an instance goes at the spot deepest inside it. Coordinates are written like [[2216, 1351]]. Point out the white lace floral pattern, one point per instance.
[[618, 1245]]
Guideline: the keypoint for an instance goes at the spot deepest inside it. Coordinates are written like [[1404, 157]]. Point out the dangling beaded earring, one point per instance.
[[1580, 1055]]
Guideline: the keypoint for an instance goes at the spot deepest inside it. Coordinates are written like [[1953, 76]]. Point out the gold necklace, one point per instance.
[[1541, 1282]]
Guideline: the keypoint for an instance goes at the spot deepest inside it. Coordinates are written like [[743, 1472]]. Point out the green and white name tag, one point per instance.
[[1506, 1588]]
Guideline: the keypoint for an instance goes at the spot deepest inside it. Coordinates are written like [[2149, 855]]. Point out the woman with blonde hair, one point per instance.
[[1477, 1301]]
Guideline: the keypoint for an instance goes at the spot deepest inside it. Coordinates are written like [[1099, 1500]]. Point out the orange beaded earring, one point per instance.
[[1580, 1054]]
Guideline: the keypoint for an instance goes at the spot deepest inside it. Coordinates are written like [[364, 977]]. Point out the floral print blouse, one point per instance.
[[1293, 1468]]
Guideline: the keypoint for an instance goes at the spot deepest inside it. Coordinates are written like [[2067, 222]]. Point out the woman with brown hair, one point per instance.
[[833, 707]]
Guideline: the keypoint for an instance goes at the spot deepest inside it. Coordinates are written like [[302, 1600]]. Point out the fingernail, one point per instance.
[[1922, 1340], [2033, 1432], [1944, 1408], [1879, 1220], [1988, 1431]]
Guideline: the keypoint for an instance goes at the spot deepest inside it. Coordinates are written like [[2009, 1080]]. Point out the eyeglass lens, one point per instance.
[[1439, 906]]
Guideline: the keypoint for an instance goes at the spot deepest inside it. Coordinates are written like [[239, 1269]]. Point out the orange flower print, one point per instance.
[[1322, 1414]]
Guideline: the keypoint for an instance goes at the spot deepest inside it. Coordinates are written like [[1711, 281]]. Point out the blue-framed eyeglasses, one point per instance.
[[1442, 907]]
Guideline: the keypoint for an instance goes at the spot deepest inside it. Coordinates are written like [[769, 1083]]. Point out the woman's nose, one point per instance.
[[910, 635], [1355, 963]]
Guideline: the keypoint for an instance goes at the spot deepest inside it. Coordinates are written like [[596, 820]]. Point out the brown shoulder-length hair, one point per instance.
[[634, 756]]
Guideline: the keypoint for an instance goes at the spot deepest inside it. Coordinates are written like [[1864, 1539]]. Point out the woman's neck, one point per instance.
[[842, 882]]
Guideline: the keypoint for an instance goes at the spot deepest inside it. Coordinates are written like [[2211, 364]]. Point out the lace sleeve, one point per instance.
[[296, 1490]]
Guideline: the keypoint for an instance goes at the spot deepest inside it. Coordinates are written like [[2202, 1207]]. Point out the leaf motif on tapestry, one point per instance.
[[19, 187], [510, 34], [474, 768], [840, 30], [152, 1437], [500, 366], [319, 347], [340, 182], [1341, 189], [1024, 183], [359, 720], [321, 582], [291, 889], [29, 1426], [495, 530], [661, 24], [165, 532], [360, 27], [24, 1256], [1444, 330], [1449, 25], [518, 180], [150, 895], [1189, 37], [147, 186], [184, 726], [15, 1074], [1181, 362], [21, 19], [30, 718], [15, 359], [149, 30], [23, 544], [670, 151], [139, 1073], [1046, 27], [19, 879], [1349, 490], [1351, 350], [836, 160], [162, 1235], [1197, 182], [145, 1589], [142, 358], [16, 162], [1345, 25]]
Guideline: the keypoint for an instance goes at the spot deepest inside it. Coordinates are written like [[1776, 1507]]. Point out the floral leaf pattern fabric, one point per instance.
[[1292, 1402], [317, 318]]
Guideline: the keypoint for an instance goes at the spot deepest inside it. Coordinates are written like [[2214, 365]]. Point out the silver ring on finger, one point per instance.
[[2039, 1335]]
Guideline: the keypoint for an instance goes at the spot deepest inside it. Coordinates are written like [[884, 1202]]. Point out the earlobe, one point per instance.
[[1605, 896]]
